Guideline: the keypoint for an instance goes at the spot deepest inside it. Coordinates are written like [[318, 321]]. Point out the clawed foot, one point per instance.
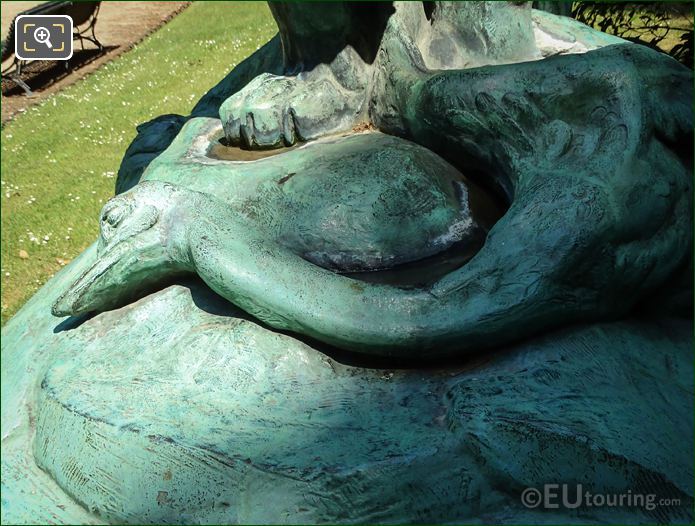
[[274, 111]]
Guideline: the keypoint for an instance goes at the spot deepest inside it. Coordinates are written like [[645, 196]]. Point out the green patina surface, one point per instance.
[[600, 214], [222, 367], [361, 201], [206, 416]]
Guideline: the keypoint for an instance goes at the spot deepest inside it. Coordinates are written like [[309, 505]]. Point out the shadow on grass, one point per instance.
[[40, 74]]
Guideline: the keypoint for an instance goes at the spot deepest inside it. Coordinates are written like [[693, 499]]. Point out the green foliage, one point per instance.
[[59, 158], [664, 26]]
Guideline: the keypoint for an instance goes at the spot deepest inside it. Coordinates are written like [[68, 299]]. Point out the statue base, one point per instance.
[[179, 408]]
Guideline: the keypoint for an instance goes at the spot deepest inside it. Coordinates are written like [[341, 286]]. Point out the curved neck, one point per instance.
[[466, 310], [289, 293]]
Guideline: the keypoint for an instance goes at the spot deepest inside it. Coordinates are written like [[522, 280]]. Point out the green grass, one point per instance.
[[645, 26], [59, 158]]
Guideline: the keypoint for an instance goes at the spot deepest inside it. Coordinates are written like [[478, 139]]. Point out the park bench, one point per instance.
[[84, 19]]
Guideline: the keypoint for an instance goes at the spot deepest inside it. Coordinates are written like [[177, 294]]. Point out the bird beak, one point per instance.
[[116, 278], [91, 290]]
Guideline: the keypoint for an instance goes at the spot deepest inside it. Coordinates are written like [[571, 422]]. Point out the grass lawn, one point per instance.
[[59, 159]]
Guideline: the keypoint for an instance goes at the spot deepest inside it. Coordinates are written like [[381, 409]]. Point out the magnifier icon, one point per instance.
[[42, 36]]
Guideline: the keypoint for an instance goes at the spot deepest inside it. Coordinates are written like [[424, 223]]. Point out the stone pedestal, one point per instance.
[[178, 408]]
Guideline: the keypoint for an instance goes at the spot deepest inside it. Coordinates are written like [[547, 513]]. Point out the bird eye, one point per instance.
[[113, 216], [112, 219]]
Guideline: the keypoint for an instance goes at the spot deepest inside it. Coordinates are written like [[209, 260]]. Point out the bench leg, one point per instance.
[[14, 76], [21, 84], [95, 39]]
